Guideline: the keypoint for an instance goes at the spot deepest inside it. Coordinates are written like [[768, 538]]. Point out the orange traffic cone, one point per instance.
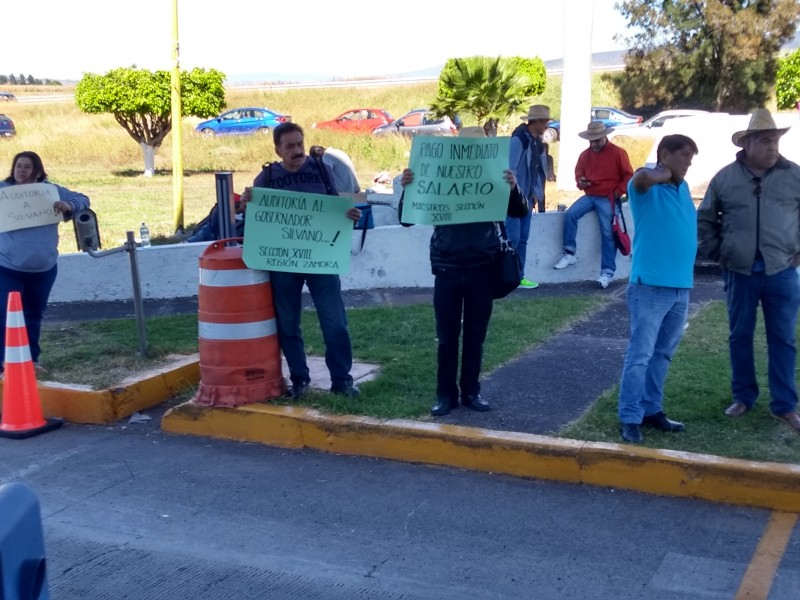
[[22, 409]]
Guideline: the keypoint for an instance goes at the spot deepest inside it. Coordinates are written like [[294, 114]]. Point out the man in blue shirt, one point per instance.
[[527, 159], [664, 249]]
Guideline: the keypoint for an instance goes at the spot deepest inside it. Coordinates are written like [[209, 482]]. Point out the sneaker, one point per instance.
[[604, 280], [528, 284], [565, 261]]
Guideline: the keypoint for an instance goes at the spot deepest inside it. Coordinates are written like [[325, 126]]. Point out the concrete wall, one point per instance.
[[393, 257]]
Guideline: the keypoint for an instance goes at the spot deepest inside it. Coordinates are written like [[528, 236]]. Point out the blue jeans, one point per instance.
[[326, 291], [582, 206], [461, 293], [518, 231], [34, 288], [658, 315], [779, 295]]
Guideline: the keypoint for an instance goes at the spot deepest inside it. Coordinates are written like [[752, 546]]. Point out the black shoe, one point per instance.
[[631, 432], [660, 421], [443, 407], [349, 389], [475, 402], [299, 388]]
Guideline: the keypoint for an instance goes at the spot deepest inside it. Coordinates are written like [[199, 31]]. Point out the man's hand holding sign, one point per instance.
[[457, 180], [30, 205]]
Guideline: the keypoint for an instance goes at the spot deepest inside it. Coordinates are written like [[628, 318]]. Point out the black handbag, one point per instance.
[[506, 273]]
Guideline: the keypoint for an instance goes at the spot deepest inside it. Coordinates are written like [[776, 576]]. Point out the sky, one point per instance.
[[62, 39]]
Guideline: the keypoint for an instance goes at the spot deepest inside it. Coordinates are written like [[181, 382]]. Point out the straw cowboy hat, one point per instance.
[[595, 131], [477, 132], [760, 121], [537, 111]]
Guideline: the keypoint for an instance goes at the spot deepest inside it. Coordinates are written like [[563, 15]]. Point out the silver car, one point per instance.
[[418, 122]]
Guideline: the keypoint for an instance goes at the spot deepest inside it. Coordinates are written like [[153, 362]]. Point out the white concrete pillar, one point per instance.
[[576, 90]]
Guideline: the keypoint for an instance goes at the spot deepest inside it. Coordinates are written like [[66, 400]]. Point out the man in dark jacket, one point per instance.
[[749, 221], [462, 261]]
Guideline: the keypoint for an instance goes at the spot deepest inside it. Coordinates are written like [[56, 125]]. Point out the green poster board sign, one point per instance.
[[457, 180], [297, 232]]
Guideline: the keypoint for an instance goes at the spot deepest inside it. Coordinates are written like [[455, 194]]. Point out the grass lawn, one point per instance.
[[400, 339], [696, 392]]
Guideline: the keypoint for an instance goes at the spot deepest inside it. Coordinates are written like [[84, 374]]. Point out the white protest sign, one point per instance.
[[28, 205]]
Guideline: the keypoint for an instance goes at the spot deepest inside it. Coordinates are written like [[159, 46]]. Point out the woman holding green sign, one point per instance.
[[28, 256], [462, 261]]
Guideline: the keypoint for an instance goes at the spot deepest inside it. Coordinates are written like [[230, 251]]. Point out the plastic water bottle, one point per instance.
[[144, 234]]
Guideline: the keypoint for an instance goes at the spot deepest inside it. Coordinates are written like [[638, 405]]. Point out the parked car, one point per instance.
[[358, 120], [652, 127], [418, 122], [612, 117], [7, 97], [241, 121], [7, 128]]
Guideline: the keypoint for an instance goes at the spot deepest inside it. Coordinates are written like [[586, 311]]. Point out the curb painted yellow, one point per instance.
[[767, 485], [81, 404]]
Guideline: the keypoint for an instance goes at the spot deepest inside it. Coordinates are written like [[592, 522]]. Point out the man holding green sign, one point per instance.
[[298, 228]]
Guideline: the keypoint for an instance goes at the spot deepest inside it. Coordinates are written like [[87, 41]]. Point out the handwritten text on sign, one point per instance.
[[457, 180], [28, 205], [297, 232]]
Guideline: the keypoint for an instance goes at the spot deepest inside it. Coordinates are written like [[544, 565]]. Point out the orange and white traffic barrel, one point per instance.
[[240, 358]]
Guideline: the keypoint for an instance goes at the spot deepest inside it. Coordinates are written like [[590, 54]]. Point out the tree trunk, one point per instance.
[[149, 153]]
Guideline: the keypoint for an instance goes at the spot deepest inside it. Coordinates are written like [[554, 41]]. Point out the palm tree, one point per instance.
[[485, 87]]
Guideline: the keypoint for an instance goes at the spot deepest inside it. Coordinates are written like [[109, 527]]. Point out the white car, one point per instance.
[[652, 127]]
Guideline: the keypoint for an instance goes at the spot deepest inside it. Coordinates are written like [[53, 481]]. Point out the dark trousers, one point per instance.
[[779, 296], [326, 291], [461, 293], [34, 288]]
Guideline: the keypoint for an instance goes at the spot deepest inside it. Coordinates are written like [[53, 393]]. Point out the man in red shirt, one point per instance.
[[602, 173]]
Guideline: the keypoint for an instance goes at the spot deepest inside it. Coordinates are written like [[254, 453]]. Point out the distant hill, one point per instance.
[[600, 60]]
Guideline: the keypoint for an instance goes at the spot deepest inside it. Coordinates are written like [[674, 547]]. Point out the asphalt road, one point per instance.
[[131, 512]]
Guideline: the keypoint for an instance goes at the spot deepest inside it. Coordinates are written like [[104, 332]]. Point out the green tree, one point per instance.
[[31, 80], [12, 79], [532, 70], [787, 81], [140, 102], [719, 54], [3, 79], [487, 88]]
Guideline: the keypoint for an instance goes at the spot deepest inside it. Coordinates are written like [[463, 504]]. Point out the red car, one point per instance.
[[358, 120]]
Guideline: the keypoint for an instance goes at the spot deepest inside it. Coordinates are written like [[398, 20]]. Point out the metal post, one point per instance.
[[226, 212], [176, 113], [137, 294]]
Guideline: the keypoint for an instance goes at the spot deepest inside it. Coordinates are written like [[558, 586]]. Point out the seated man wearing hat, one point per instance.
[[749, 221], [602, 173]]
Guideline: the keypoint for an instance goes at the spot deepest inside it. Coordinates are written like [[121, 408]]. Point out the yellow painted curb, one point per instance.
[[82, 404], [767, 485]]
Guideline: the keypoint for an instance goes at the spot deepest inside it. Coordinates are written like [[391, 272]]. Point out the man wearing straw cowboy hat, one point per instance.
[[527, 159], [602, 173], [749, 221]]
